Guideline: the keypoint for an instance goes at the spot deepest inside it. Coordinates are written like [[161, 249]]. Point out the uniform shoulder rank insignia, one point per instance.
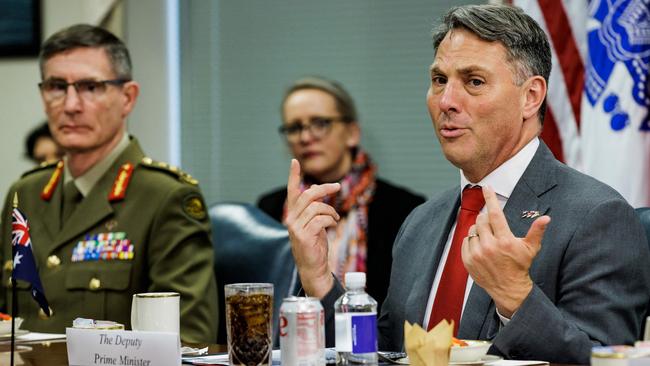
[[48, 190], [121, 183], [171, 169], [194, 207], [42, 166]]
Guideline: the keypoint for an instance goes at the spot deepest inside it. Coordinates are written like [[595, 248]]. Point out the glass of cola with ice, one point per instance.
[[249, 323]]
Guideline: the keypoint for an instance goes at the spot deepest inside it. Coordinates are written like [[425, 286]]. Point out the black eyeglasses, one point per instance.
[[54, 90], [317, 127]]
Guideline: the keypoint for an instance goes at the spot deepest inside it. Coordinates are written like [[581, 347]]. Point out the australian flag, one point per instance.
[[23, 261]]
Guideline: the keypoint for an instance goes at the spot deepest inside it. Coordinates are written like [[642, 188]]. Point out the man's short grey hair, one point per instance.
[[344, 102], [88, 36], [527, 46]]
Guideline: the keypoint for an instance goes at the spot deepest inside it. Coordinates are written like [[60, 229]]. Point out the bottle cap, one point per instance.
[[355, 280]]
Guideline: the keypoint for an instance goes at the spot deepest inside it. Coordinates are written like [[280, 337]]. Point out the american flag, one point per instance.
[[598, 98], [24, 266]]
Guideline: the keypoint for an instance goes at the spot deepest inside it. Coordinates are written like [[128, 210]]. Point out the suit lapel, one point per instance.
[[431, 248], [88, 213], [538, 178], [95, 207], [530, 195], [476, 310]]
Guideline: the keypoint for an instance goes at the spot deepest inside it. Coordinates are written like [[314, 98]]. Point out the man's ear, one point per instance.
[[353, 138], [130, 92], [535, 92]]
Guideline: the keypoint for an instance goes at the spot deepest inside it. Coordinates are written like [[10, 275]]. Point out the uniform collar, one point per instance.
[[88, 180], [504, 178]]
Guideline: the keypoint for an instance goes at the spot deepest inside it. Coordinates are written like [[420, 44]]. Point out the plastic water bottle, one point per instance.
[[356, 322]]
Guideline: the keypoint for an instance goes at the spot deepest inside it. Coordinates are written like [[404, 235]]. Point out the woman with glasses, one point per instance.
[[322, 132]]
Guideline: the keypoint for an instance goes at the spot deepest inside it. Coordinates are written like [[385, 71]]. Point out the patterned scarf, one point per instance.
[[348, 240]]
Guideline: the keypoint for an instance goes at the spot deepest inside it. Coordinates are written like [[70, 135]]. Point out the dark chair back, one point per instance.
[[250, 246], [644, 216]]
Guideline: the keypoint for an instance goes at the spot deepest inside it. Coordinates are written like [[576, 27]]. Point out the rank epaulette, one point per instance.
[[48, 190], [121, 183], [171, 169], [42, 166]]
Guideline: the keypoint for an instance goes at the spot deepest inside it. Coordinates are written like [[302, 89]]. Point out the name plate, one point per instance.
[[123, 348]]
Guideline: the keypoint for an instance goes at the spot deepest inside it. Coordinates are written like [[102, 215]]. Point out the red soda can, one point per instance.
[[302, 332]]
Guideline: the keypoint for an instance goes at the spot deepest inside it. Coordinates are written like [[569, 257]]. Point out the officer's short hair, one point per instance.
[[85, 35]]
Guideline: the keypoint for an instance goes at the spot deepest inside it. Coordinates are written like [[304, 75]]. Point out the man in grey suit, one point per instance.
[[537, 289]]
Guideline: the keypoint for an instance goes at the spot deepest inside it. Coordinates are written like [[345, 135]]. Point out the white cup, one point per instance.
[[156, 312]]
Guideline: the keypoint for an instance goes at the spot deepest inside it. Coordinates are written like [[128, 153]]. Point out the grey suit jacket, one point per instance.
[[591, 276]]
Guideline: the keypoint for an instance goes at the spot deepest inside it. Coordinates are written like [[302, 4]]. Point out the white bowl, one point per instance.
[[5, 325], [474, 351]]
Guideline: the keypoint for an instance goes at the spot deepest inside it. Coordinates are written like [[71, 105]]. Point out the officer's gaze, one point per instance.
[[55, 89]]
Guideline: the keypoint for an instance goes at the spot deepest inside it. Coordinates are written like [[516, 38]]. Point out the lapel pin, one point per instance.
[[529, 214]]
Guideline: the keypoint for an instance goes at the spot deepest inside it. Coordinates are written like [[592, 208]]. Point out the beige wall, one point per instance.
[[20, 103], [21, 110], [146, 36]]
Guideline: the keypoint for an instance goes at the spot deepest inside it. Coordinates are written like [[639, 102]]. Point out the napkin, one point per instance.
[[428, 348]]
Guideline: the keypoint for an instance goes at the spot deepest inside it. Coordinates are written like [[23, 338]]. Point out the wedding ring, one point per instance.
[[474, 235]]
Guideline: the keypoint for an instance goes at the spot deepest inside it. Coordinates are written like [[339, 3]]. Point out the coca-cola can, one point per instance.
[[302, 332]]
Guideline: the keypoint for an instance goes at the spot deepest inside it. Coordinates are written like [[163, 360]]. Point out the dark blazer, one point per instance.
[[591, 276], [388, 209]]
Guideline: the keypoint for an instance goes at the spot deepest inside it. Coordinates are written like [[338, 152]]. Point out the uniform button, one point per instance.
[[41, 314], [53, 261], [9, 265], [94, 284]]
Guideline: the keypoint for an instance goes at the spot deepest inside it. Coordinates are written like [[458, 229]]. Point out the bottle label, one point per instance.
[[356, 332]]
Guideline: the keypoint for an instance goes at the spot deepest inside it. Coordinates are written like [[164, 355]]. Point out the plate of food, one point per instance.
[[463, 352], [485, 360]]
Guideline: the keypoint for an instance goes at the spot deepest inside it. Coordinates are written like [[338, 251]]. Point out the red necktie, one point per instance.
[[448, 303]]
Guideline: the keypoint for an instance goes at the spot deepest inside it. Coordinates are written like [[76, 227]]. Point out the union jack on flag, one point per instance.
[[24, 265]]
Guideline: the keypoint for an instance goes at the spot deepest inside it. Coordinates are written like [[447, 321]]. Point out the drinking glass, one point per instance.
[[249, 323]]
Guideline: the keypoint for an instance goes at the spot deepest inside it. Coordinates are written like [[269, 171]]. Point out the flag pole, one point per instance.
[[14, 300]]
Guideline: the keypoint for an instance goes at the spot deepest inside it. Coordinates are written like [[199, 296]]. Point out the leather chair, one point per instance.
[[250, 246], [644, 216]]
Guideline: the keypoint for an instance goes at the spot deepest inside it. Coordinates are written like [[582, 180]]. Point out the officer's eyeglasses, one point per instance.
[[318, 127], [55, 90]]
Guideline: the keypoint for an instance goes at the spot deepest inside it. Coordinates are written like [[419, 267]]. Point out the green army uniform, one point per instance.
[[163, 216]]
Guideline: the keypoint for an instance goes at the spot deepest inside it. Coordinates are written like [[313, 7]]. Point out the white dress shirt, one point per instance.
[[87, 181]]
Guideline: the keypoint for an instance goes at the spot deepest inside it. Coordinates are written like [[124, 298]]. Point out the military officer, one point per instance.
[[106, 221]]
